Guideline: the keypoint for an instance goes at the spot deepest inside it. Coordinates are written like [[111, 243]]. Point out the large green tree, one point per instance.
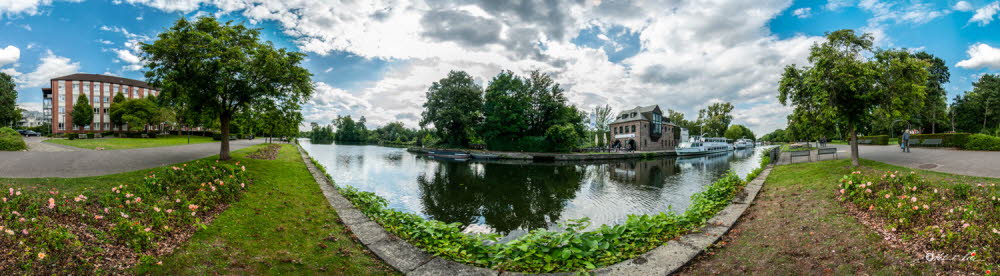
[[223, 69], [454, 107], [977, 110], [83, 113], [506, 108], [138, 113], [603, 117], [738, 132], [851, 82], [9, 114], [935, 108], [115, 111], [716, 118]]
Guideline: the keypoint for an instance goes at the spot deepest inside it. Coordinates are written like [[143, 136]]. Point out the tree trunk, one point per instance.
[[934, 123], [854, 148], [224, 125]]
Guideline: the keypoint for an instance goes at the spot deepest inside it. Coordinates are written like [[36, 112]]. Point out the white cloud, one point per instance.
[[169, 5], [105, 42], [50, 66], [704, 51], [133, 62], [985, 14], [981, 56], [127, 55], [962, 6], [30, 106], [14, 7], [328, 69], [802, 12], [9, 55], [834, 5]]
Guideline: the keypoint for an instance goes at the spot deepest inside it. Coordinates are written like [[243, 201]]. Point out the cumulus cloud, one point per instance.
[[129, 53], [9, 55], [834, 5], [688, 57], [985, 14], [802, 12], [50, 66], [15, 7], [981, 56], [962, 6]]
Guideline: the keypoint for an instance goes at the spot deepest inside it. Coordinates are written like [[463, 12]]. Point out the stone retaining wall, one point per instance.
[[410, 260]]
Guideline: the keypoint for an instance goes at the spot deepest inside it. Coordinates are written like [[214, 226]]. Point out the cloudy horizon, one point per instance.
[[377, 58]]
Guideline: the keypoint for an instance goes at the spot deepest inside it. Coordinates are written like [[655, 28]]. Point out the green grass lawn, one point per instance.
[[131, 143], [787, 147], [282, 225], [798, 226]]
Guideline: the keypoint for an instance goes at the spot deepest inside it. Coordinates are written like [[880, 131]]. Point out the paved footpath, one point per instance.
[[975, 163], [60, 161]]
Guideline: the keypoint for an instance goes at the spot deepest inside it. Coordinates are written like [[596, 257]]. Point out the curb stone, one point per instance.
[[410, 260]]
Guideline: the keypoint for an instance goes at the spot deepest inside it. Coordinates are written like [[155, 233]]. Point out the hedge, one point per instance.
[[982, 142], [947, 139], [876, 139], [10, 140], [524, 144]]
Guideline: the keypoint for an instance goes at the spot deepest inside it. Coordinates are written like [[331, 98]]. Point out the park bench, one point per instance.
[[144, 136], [823, 151], [931, 142], [866, 141], [805, 153], [81, 136], [97, 135]]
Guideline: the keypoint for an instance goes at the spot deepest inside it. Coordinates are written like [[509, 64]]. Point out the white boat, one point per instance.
[[705, 146], [743, 143]]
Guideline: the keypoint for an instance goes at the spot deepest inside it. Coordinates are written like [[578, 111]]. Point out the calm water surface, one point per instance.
[[511, 197]]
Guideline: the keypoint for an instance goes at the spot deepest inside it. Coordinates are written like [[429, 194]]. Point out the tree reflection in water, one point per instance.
[[504, 196]]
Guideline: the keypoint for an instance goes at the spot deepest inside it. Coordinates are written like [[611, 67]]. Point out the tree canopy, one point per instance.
[[222, 69], [716, 118], [851, 82], [454, 108], [82, 113], [738, 132], [9, 114]]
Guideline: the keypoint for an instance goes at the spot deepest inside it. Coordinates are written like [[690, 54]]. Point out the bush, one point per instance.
[[982, 142], [562, 138], [526, 144], [10, 140], [876, 139], [947, 139]]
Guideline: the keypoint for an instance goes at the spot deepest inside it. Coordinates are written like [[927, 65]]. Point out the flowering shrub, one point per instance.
[[63, 232], [952, 218], [542, 250]]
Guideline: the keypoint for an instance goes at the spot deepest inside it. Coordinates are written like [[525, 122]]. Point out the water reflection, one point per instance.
[[511, 197]]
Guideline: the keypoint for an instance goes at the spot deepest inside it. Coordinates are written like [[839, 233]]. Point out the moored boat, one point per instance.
[[460, 156], [705, 146]]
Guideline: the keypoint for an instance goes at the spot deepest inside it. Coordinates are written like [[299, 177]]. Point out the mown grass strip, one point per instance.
[[131, 143]]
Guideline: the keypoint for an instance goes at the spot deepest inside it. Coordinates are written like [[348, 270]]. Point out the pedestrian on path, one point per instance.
[[906, 141]]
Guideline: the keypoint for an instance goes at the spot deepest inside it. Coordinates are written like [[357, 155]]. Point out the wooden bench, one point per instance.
[[81, 136], [144, 136], [827, 151], [805, 153], [97, 135], [931, 142]]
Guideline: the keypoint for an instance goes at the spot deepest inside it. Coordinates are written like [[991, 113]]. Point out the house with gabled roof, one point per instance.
[[643, 128]]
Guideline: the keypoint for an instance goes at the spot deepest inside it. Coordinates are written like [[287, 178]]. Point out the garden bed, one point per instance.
[[268, 152], [48, 231]]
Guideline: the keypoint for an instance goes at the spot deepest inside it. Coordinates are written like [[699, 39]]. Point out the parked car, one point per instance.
[[28, 133]]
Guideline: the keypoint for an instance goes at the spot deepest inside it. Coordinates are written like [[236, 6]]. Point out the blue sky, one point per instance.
[[377, 58]]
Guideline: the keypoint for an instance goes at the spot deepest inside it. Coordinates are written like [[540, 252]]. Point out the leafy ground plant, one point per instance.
[[541, 250], [933, 218], [51, 232]]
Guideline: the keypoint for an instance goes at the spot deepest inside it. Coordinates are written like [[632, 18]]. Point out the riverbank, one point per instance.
[[800, 226], [277, 223], [549, 156]]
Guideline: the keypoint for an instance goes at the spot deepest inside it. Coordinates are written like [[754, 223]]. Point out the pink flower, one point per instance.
[[915, 207], [21, 219], [913, 199], [965, 225], [105, 210], [11, 191], [192, 214], [868, 191], [887, 195], [24, 231], [41, 256], [244, 168], [192, 207], [241, 186], [178, 200], [138, 199], [157, 209], [123, 215], [170, 211], [841, 191], [16, 213], [9, 232], [926, 207], [52, 203], [98, 217], [147, 229], [128, 195], [17, 193], [5, 200]]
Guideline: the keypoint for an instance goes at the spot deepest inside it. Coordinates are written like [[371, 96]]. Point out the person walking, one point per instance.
[[906, 140]]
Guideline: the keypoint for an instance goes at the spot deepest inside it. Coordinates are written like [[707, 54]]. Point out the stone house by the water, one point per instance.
[[643, 128]]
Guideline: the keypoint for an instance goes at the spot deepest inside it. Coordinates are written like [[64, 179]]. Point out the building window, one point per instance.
[[62, 110], [62, 126], [105, 110], [106, 99], [633, 128], [96, 110], [62, 98]]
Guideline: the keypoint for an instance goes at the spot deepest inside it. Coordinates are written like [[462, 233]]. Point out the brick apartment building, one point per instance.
[[57, 101], [643, 128]]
